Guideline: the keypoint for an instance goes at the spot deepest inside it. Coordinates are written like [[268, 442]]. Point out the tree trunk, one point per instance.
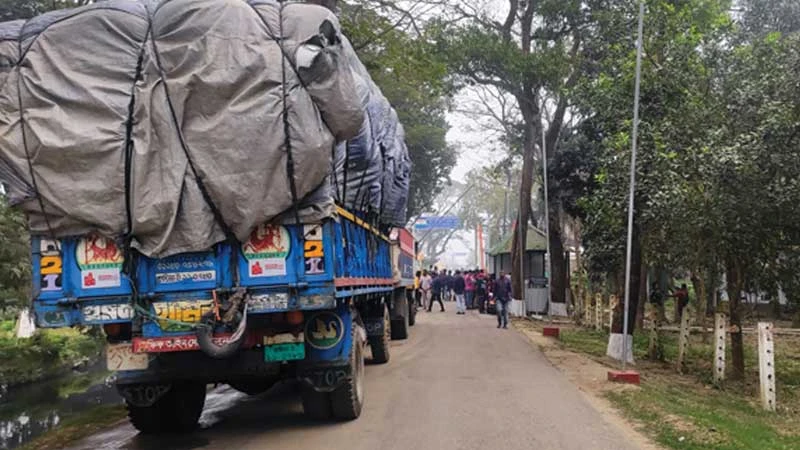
[[558, 263], [636, 275], [530, 113], [734, 288], [642, 298]]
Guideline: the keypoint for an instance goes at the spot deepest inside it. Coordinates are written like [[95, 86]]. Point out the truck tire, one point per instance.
[[176, 412], [412, 312], [380, 344], [348, 399], [400, 326], [316, 405]]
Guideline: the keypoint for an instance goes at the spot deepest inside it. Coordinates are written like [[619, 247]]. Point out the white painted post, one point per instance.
[[587, 311], [613, 301], [766, 365], [598, 312], [683, 339], [720, 332]]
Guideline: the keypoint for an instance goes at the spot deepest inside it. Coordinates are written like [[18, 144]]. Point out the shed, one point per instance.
[[535, 249]]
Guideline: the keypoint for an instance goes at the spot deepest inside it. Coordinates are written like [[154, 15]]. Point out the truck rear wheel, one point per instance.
[[400, 326], [176, 412], [380, 344], [348, 399]]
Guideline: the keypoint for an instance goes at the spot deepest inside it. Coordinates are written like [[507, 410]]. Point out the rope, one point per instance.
[[174, 116], [31, 172]]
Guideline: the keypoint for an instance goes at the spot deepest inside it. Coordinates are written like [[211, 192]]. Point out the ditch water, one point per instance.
[[30, 410]]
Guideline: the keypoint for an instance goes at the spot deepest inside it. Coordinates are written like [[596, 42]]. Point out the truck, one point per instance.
[[223, 196], [315, 297]]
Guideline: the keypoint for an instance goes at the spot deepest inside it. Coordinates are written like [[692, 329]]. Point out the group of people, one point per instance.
[[470, 289]]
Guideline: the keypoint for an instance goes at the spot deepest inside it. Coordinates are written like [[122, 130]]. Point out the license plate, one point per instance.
[[122, 357], [284, 347]]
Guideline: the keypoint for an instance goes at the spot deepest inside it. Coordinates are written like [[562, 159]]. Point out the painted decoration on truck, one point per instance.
[[266, 251], [313, 250], [324, 330], [189, 311], [100, 262], [50, 265], [192, 267]]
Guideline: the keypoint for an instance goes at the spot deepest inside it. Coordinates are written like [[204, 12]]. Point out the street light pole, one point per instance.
[[634, 137], [546, 217]]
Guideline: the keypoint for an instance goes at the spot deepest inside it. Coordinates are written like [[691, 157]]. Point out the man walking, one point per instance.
[[469, 281], [437, 288], [459, 286], [425, 287], [502, 295]]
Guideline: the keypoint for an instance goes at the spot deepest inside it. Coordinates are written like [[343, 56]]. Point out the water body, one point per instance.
[[30, 410]]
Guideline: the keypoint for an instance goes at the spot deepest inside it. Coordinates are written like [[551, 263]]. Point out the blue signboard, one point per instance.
[[437, 223]]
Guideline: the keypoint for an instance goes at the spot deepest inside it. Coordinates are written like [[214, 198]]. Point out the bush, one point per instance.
[[48, 353]]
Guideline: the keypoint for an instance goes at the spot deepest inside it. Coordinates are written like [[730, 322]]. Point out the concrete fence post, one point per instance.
[[683, 338], [653, 348], [720, 333], [613, 301], [598, 312], [766, 365], [588, 313]]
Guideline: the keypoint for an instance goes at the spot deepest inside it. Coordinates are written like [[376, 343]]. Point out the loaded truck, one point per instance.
[[220, 186]]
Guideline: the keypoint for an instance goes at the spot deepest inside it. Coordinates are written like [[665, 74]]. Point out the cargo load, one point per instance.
[[175, 125]]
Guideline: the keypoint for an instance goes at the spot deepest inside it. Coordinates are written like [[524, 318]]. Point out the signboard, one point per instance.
[[425, 223]]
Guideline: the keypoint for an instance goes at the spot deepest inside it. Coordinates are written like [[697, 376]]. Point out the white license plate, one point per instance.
[[122, 357]]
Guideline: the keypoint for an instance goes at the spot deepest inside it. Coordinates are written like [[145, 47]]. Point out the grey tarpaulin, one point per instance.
[[159, 120]]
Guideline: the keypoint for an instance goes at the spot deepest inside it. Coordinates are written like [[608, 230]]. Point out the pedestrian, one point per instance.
[[469, 282], [449, 282], [682, 297], [418, 288], [459, 288], [502, 296], [437, 288], [426, 284], [480, 291]]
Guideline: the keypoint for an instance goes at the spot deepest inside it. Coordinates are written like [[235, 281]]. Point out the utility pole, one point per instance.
[[634, 137], [548, 273]]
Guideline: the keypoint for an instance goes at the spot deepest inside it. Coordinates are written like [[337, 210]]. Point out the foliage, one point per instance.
[[46, 354], [413, 76], [14, 261]]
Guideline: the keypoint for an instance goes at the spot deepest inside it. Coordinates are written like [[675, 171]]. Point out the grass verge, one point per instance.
[[686, 411]]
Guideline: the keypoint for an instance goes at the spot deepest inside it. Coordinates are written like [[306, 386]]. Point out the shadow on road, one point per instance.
[[233, 416]]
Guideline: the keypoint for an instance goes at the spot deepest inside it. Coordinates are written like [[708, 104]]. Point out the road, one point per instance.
[[457, 383]]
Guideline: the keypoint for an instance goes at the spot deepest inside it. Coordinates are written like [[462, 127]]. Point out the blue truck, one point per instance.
[[295, 301]]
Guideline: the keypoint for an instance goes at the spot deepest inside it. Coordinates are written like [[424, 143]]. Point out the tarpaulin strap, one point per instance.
[[198, 179], [128, 257], [31, 172], [286, 126]]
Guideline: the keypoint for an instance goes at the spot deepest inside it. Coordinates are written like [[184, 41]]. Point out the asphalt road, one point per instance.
[[457, 383]]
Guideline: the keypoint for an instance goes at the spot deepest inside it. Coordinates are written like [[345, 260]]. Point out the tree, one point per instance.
[[530, 53], [15, 275]]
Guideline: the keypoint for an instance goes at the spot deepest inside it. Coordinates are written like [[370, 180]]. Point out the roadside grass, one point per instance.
[[78, 426], [686, 411]]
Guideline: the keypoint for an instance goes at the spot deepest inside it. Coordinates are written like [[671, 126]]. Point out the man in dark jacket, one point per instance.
[[502, 295], [437, 287], [459, 288]]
